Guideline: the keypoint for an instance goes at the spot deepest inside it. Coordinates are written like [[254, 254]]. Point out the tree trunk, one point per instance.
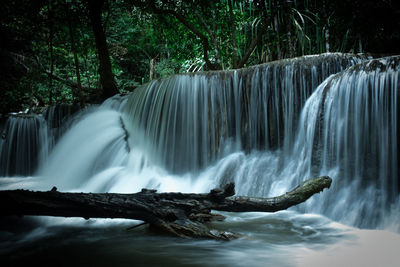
[[76, 61], [325, 29], [179, 214], [189, 26], [257, 39], [87, 72], [51, 37], [233, 29], [152, 74], [106, 76]]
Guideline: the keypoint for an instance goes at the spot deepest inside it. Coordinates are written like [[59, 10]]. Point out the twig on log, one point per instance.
[[136, 226]]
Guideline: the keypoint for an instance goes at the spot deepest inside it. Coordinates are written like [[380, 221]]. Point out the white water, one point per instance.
[[23, 144], [343, 131], [347, 129], [190, 121]]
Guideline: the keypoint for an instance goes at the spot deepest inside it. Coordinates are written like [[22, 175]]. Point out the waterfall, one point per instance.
[[116, 102], [189, 121], [58, 119], [27, 138], [267, 134], [95, 144], [23, 144], [348, 129], [266, 128], [350, 125]]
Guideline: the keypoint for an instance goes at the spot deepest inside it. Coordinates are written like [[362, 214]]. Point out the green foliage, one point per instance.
[[35, 40], [167, 67]]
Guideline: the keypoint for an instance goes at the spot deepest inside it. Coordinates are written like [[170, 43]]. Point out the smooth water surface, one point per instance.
[[284, 238]]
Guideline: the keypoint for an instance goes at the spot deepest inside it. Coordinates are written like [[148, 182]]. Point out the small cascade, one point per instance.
[[116, 102], [348, 129], [189, 121], [350, 126], [96, 143], [23, 144], [27, 138], [59, 119]]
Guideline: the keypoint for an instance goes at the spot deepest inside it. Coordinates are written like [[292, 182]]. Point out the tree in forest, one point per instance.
[[233, 34], [106, 75], [74, 51], [16, 31], [47, 53], [211, 31], [76, 63]]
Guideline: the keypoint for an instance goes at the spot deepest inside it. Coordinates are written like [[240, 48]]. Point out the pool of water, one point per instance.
[[286, 238]]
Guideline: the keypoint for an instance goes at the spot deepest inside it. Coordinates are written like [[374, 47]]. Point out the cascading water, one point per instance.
[[348, 129], [194, 132], [350, 126], [27, 138], [23, 144], [187, 121], [266, 128], [116, 102], [95, 156], [58, 118]]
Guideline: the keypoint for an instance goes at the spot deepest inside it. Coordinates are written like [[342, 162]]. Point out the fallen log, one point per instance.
[[179, 214]]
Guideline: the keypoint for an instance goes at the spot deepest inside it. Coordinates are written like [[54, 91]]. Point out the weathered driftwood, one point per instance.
[[180, 214]]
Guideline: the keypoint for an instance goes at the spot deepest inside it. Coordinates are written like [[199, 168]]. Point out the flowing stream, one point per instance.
[[267, 128]]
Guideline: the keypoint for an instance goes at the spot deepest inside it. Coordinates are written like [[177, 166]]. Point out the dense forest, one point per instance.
[[77, 51]]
